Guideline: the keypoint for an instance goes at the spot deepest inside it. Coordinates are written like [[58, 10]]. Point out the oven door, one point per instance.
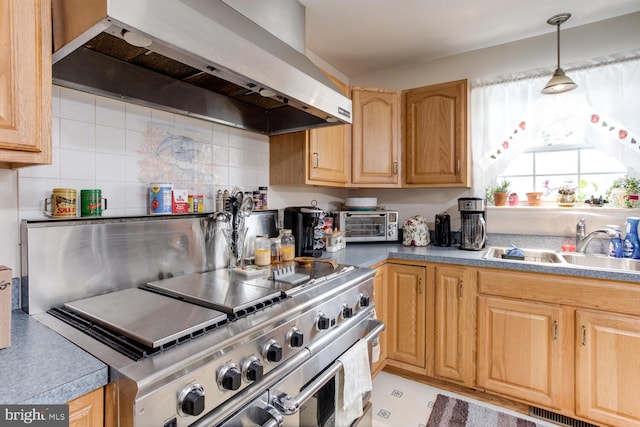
[[307, 396], [364, 227]]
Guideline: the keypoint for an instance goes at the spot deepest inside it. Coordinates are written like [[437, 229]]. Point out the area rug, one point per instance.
[[452, 412]]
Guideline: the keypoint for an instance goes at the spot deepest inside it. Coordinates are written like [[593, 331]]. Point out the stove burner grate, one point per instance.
[[125, 345]]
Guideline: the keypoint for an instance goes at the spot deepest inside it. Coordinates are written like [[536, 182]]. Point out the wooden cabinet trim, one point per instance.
[[621, 297]]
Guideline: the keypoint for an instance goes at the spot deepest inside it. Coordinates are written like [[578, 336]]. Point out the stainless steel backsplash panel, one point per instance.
[[65, 260]]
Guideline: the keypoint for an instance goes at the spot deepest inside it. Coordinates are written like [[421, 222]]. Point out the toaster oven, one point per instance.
[[368, 226]]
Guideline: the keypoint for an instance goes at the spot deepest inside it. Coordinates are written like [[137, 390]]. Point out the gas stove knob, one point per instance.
[[347, 311], [364, 300], [295, 338], [323, 322], [229, 377], [191, 400], [253, 370], [273, 351]]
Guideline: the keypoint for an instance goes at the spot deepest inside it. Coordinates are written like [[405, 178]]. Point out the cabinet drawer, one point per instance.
[[620, 297]]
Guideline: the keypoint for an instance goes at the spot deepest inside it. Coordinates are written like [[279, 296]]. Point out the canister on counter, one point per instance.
[[92, 203], [160, 196], [62, 203]]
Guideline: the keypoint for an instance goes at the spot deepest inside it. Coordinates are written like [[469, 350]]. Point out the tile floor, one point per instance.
[[399, 402]]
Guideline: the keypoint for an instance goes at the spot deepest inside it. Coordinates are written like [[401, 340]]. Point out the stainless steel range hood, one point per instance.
[[204, 59]]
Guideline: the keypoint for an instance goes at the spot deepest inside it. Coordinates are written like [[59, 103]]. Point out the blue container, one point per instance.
[[631, 245], [160, 199], [616, 245]]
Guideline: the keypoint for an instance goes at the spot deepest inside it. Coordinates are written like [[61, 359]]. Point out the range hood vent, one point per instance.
[[196, 57]]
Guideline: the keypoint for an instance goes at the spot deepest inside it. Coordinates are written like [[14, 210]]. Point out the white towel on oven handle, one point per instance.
[[354, 379]]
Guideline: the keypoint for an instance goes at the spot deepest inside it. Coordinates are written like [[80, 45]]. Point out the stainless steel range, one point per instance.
[[209, 348]]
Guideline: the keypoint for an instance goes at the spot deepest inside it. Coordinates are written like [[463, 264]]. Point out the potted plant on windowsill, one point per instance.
[[625, 192], [500, 192]]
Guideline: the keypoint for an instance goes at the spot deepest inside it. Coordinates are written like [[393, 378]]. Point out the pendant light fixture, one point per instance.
[[560, 82]]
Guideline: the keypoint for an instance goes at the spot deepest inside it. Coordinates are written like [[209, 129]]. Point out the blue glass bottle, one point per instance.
[[631, 245]]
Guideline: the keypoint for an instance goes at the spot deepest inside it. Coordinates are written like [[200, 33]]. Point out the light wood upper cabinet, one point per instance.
[[435, 136], [25, 83], [406, 303], [314, 157], [455, 321], [375, 147], [519, 350], [607, 371]]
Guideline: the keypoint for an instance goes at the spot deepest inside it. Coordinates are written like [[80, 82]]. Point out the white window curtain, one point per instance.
[[509, 117]]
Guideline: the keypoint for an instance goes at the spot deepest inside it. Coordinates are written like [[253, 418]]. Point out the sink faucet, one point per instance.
[[583, 239]]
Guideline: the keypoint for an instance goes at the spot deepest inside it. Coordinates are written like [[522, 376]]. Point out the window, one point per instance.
[[593, 169]]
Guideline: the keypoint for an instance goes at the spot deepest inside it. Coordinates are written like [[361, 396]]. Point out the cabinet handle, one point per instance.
[[395, 168], [317, 156], [458, 166], [460, 289], [584, 335], [419, 286], [555, 329]]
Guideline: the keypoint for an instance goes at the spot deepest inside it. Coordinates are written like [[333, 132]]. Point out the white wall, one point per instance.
[[578, 44]]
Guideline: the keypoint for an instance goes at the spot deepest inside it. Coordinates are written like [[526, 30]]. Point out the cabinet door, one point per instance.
[[328, 155], [406, 314], [25, 82], [87, 410], [436, 136], [455, 298], [379, 289], [375, 148], [519, 350], [607, 369]]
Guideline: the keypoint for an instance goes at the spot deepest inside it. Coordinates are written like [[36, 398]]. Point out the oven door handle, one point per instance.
[[290, 405]]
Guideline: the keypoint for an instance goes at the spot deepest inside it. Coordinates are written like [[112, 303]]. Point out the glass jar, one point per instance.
[[262, 251], [287, 245], [276, 255]]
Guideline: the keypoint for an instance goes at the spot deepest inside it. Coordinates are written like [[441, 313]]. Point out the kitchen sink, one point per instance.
[[601, 261], [565, 259], [530, 255]]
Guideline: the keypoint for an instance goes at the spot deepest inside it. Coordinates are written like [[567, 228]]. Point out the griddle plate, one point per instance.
[[146, 317], [212, 289]]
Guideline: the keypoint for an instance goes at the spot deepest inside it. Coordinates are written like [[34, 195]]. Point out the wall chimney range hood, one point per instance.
[[195, 57]]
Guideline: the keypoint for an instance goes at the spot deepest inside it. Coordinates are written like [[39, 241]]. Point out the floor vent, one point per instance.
[[543, 414]]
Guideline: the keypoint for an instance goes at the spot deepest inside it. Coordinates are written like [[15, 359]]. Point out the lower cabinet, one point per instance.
[[607, 368], [406, 305], [87, 410], [566, 344], [519, 350], [455, 324]]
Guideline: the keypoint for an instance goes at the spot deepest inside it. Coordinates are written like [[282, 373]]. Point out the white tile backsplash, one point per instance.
[[110, 112], [120, 148], [110, 139], [76, 105], [77, 135]]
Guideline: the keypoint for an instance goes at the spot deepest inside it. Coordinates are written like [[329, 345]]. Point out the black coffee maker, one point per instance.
[[303, 222], [442, 234]]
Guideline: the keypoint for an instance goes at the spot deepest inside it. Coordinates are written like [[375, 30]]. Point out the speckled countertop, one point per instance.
[[43, 367]]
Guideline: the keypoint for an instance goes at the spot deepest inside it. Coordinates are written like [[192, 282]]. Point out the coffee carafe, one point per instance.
[[473, 231]]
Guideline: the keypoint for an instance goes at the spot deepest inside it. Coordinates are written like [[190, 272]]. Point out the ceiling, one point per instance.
[[358, 37]]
